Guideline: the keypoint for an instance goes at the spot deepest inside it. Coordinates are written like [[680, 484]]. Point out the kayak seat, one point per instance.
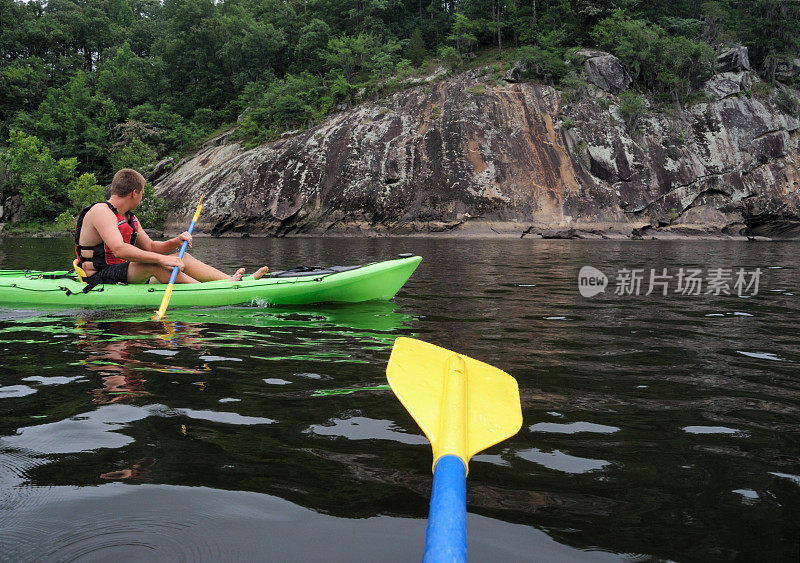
[[78, 270]]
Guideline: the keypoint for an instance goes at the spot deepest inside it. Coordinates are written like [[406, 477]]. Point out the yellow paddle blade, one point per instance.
[[199, 208], [463, 405], [164, 303]]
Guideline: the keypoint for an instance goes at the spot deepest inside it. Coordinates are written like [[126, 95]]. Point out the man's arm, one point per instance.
[[105, 223], [144, 242]]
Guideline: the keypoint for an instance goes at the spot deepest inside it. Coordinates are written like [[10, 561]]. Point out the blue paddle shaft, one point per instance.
[[180, 255], [446, 538]]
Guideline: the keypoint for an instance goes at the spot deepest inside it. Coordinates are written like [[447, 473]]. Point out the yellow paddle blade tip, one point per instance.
[[162, 310], [457, 419], [199, 208]]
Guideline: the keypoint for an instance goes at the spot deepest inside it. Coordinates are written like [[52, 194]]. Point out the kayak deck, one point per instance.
[[375, 281]]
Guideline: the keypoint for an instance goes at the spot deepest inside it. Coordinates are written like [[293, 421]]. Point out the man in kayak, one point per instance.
[[112, 247]]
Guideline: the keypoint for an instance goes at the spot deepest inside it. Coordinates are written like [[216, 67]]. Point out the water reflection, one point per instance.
[[160, 399], [114, 351], [138, 471]]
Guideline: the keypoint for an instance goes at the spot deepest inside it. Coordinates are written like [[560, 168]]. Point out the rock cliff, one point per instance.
[[470, 155]]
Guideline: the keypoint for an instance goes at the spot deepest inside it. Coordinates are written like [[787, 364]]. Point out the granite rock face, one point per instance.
[[728, 84], [514, 74], [735, 59], [11, 208], [605, 71], [787, 71], [161, 168], [466, 155]]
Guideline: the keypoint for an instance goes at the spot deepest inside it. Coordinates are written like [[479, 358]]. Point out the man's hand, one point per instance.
[[184, 236], [169, 261]]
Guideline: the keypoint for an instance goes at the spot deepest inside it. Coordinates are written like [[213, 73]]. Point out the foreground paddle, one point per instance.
[[463, 406], [168, 293]]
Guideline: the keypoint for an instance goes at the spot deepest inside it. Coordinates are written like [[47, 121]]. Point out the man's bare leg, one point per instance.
[[194, 271], [139, 272], [203, 272]]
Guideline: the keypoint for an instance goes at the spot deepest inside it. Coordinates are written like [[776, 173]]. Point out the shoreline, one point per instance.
[[475, 228], [483, 231]]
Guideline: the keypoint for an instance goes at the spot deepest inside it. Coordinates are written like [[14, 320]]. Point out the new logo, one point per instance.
[[591, 281]]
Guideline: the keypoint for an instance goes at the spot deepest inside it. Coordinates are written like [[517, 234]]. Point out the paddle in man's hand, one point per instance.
[[168, 292]]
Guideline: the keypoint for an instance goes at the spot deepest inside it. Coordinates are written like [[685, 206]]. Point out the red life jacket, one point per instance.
[[101, 254]]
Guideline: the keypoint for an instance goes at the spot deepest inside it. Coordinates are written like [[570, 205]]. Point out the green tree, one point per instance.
[[340, 92], [38, 177], [348, 52], [559, 19], [451, 57], [364, 52], [212, 50], [250, 45], [160, 127], [23, 84], [415, 49], [120, 12], [769, 29], [75, 121], [632, 108], [83, 191], [462, 33], [135, 154], [280, 104], [541, 64], [500, 9], [381, 57], [152, 211], [147, 27], [312, 44], [670, 65], [124, 77]]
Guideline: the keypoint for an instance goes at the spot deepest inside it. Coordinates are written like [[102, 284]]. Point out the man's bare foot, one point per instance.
[[237, 276], [260, 272]]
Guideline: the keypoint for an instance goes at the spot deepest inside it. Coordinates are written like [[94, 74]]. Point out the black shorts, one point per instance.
[[115, 273]]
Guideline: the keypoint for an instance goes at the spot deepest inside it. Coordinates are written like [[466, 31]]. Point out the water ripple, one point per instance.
[[762, 356], [362, 428], [562, 462], [81, 433], [225, 417], [794, 478], [41, 380], [16, 391], [710, 430], [573, 428]]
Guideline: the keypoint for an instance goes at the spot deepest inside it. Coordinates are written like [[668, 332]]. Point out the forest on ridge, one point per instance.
[[90, 86]]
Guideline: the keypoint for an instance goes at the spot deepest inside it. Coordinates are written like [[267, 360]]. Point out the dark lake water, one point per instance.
[[654, 427]]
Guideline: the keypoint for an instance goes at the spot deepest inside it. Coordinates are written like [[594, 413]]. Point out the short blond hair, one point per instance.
[[125, 181]]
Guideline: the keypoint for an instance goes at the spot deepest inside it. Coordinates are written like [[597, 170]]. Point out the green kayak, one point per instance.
[[300, 286]]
